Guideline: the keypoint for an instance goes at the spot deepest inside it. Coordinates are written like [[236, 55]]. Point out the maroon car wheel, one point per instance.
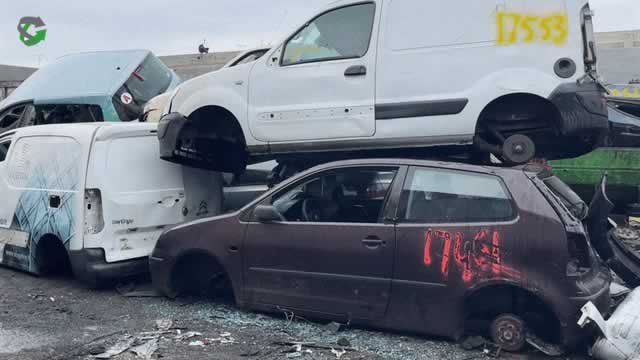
[[509, 332]]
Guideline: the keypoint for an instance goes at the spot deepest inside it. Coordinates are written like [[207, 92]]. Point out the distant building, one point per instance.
[[192, 65], [619, 56], [618, 39], [11, 77]]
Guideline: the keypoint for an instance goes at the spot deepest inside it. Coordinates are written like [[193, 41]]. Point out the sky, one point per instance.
[[169, 27]]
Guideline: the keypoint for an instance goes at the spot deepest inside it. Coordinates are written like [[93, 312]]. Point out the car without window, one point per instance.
[[410, 245], [512, 78], [95, 197], [88, 87]]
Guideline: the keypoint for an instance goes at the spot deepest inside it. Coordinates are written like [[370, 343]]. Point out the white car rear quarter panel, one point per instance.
[[452, 53]]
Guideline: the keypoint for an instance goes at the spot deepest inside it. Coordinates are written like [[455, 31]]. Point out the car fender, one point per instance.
[[508, 82], [546, 293], [214, 256], [225, 88]]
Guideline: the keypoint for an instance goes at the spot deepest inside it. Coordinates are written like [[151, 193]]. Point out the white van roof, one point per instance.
[[103, 130]]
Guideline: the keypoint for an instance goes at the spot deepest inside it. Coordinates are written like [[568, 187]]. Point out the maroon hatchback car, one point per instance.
[[409, 245]]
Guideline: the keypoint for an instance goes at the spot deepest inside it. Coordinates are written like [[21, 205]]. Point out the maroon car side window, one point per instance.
[[445, 196], [350, 195]]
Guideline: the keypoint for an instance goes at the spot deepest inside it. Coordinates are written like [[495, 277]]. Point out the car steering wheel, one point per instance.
[[311, 210]]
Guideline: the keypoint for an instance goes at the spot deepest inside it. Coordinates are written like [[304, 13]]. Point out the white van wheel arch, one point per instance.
[[51, 256]]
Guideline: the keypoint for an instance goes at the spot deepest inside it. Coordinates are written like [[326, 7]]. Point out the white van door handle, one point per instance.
[[356, 70], [54, 201]]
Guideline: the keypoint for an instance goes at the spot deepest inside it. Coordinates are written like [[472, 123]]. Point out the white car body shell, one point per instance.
[[421, 53]]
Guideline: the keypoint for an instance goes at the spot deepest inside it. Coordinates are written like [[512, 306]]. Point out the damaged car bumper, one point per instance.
[[169, 128], [601, 300], [583, 109], [91, 267], [620, 335], [182, 142], [160, 269]]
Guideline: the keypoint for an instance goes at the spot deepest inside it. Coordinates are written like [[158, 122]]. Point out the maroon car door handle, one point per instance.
[[373, 242]]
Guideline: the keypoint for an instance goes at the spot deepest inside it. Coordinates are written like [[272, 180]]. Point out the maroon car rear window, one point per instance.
[[445, 196]]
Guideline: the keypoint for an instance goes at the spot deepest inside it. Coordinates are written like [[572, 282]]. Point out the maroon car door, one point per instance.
[[333, 253], [449, 227]]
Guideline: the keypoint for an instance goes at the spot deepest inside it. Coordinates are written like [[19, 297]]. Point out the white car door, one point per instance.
[[320, 84]]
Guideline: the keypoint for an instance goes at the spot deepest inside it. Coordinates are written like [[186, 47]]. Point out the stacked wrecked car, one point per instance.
[[381, 179]]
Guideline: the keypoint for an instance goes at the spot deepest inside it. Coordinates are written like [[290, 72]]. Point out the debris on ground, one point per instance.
[[187, 335], [473, 342], [620, 335], [118, 348], [333, 327], [338, 353], [311, 345], [544, 347], [296, 351], [224, 338], [133, 289], [344, 342], [492, 350], [146, 350], [164, 324]]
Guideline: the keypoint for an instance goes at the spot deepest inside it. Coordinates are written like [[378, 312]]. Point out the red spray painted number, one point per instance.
[[477, 257]]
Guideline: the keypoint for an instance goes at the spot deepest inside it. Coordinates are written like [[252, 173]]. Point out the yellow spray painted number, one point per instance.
[[516, 28], [626, 92]]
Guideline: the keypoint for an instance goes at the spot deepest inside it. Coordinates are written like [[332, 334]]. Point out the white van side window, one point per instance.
[[344, 33], [141, 153], [46, 162], [418, 24], [4, 149]]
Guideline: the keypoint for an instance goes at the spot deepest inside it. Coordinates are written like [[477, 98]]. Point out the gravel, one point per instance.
[[61, 319]]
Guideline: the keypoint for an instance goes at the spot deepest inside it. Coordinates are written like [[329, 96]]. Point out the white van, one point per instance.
[[95, 195], [514, 78]]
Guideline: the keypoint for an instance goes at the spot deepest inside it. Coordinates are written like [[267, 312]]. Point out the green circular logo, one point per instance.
[[31, 39]]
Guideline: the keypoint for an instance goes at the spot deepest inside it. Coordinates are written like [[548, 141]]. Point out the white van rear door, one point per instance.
[[142, 195], [41, 184]]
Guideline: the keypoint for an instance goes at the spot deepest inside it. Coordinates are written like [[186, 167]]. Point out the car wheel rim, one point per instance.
[[509, 332]]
